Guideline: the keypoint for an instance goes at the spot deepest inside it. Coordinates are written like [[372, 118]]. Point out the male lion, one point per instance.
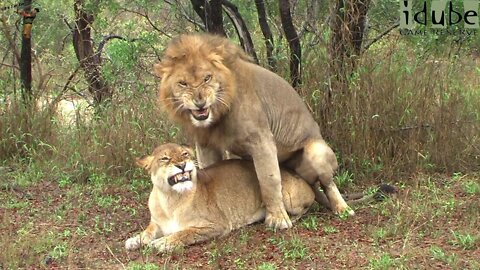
[[189, 206], [227, 103]]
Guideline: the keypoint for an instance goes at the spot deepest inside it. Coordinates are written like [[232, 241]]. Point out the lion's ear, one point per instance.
[[216, 55], [227, 52], [144, 162], [160, 70]]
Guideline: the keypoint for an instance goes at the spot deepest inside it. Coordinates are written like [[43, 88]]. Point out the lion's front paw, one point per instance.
[[344, 211], [133, 243], [278, 220], [162, 244]]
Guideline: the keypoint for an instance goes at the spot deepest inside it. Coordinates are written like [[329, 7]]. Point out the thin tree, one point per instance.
[[347, 23], [293, 41], [241, 28], [89, 61], [267, 33], [210, 12], [28, 15]]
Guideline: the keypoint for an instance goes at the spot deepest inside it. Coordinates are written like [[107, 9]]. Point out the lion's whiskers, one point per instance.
[[180, 106], [222, 101], [168, 98]]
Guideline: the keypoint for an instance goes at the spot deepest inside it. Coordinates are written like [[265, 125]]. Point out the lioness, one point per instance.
[[227, 103], [189, 206]]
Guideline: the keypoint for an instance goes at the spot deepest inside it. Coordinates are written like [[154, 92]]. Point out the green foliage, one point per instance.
[[267, 266], [343, 179], [59, 251], [384, 262], [310, 223], [464, 240], [142, 266], [328, 229], [292, 249], [439, 254], [471, 187]]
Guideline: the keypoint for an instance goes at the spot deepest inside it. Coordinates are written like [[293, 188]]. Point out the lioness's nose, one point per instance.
[[181, 166]]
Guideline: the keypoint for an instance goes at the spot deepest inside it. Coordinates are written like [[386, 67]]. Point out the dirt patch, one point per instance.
[[48, 226]]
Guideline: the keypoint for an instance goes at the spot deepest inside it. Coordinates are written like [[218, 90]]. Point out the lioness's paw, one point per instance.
[[161, 244], [133, 243], [278, 222]]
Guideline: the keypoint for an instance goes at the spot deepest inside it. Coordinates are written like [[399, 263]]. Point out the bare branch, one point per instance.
[[241, 28], [8, 36], [381, 35], [146, 17], [186, 16], [104, 42], [10, 66]]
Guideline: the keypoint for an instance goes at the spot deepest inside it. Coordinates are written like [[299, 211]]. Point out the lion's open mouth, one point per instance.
[[179, 178], [201, 114]]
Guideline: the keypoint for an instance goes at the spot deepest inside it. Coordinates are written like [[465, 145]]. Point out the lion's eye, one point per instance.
[[182, 83], [165, 159], [207, 78], [185, 154]]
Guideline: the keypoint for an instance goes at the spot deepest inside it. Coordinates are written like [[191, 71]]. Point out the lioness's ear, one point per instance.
[[144, 162]]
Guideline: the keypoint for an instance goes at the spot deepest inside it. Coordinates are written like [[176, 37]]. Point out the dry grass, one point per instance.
[[397, 113], [106, 145], [400, 114]]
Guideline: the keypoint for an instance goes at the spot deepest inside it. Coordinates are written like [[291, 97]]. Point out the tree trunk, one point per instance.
[[267, 33], [241, 29], [28, 15], [358, 23], [210, 12], [348, 26], [293, 42], [89, 61]]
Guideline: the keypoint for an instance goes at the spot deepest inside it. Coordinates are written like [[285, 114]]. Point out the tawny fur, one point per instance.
[[223, 197], [227, 103]]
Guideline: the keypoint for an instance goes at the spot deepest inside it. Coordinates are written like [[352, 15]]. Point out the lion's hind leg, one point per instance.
[[317, 164]]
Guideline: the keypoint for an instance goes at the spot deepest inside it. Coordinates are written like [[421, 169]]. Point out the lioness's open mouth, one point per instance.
[[201, 114], [179, 178]]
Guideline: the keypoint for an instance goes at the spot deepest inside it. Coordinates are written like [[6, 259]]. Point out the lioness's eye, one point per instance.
[[185, 154], [165, 159], [207, 78], [182, 83]]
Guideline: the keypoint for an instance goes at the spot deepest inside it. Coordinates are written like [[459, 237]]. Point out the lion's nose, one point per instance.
[[199, 103], [181, 166]]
